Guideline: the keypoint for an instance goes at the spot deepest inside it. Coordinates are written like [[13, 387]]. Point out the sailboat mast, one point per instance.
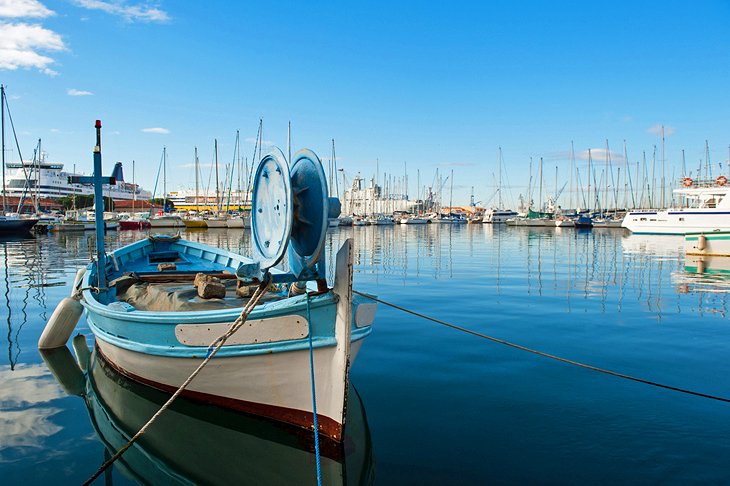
[[217, 188], [572, 162], [38, 179], [590, 201], [334, 163], [451, 195], [197, 208], [73, 199], [164, 179], [2, 129], [134, 189], [605, 193], [541, 206], [529, 188], [663, 179], [238, 151], [499, 189]]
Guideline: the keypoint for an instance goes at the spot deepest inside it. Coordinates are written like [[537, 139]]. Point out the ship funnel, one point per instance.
[[118, 172]]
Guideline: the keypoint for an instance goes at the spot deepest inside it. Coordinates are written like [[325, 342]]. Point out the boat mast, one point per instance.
[[73, 198], [663, 179], [529, 188], [2, 118], [605, 194], [197, 208], [334, 162], [626, 176], [572, 162], [164, 179], [37, 179], [134, 189], [238, 150], [451, 195], [499, 189], [541, 205], [217, 193], [590, 201]]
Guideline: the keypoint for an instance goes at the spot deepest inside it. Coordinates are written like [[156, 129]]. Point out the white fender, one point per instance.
[[701, 242], [77, 280], [61, 324]]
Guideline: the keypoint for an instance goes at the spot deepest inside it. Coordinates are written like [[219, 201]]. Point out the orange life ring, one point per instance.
[[687, 181], [722, 180]]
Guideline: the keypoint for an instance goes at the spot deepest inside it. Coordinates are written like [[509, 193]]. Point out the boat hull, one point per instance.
[[134, 224], [167, 222], [195, 224], [216, 223], [235, 382], [238, 222], [677, 222], [16, 226]]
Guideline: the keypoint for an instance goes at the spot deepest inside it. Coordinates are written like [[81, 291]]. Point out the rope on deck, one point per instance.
[[218, 343], [546, 355]]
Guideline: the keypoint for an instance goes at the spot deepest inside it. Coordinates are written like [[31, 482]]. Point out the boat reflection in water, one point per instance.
[[194, 443]]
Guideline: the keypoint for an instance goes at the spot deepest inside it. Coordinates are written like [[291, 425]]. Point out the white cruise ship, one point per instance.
[[705, 208], [49, 180]]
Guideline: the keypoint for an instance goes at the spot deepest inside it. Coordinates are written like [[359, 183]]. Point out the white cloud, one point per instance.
[[21, 46], [200, 164], [24, 8], [131, 13], [78, 92], [657, 130], [599, 154], [160, 130], [55, 130], [264, 143]]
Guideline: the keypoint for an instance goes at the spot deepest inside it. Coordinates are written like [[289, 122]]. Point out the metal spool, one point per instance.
[[271, 209], [311, 209]]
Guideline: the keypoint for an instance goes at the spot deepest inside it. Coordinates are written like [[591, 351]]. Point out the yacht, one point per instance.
[[706, 208], [498, 216]]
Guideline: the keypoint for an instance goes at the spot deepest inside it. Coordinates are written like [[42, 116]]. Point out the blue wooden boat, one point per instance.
[[272, 453], [151, 325]]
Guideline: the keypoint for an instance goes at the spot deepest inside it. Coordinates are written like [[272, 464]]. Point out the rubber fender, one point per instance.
[[701, 242], [61, 324]]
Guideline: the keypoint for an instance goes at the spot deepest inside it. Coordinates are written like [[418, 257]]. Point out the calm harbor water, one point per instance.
[[436, 405]]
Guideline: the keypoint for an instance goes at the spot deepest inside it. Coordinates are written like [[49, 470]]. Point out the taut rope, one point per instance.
[[546, 355]]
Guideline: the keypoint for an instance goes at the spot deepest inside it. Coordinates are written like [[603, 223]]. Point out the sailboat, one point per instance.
[[10, 223], [242, 219], [149, 326], [195, 221], [165, 219], [217, 220], [498, 215], [134, 222]]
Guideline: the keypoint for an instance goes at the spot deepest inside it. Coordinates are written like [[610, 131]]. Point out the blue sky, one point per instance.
[[434, 85]]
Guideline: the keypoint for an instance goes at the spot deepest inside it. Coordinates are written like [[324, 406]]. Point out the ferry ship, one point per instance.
[[49, 180]]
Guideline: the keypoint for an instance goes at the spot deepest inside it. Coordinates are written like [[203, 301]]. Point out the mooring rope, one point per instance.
[[314, 397], [546, 355], [218, 343]]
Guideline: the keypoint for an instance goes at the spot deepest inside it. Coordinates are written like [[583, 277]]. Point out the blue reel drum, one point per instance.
[[289, 210]]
